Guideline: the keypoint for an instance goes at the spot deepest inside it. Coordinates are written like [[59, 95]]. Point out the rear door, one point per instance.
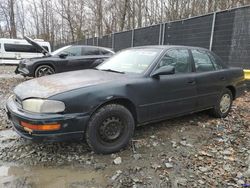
[[210, 78], [89, 56]]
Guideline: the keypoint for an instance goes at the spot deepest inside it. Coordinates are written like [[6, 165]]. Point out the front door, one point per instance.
[[170, 95], [74, 58]]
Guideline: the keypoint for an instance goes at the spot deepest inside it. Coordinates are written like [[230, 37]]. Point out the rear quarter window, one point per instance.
[[202, 61], [105, 52]]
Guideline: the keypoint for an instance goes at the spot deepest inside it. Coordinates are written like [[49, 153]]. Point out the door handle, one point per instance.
[[222, 78], [191, 82]]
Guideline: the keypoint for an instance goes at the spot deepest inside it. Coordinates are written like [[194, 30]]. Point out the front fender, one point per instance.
[[89, 99], [38, 63]]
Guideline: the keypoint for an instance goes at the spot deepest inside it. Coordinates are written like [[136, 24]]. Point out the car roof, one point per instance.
[[92, 46], [168, 47]]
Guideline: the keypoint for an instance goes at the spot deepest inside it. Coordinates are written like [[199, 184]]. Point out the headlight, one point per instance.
[[43, 106]]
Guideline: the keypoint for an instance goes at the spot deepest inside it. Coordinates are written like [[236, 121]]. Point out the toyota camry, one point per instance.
[[134, 87]]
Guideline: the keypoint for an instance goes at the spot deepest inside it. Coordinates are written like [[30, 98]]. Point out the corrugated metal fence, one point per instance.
[[227, 33]]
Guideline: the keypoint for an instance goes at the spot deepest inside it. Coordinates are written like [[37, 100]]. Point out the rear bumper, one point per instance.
[[72, 125]]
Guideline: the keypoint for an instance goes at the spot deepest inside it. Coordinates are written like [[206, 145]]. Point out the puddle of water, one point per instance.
[[49, 177], [13, 176]]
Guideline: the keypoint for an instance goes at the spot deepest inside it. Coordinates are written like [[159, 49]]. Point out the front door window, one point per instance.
[[178, 58]]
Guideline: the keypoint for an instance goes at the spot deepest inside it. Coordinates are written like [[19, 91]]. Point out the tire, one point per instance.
[[223, 105], [110, 129], [44, 70]]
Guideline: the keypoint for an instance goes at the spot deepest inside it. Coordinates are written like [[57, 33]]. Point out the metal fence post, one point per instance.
[[113, 41], [212, 32], [163, 33], [132, 38], [160, 32]]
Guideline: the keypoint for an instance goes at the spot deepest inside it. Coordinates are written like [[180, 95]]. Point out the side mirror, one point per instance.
[[63, 55], [165, 70]]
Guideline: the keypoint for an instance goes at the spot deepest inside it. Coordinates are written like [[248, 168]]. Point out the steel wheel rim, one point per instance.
[[111, 129], [43, 71], [225, 103]]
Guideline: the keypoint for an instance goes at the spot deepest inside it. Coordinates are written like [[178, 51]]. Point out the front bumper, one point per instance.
[[72, 125], [23, 71], [24, 68]]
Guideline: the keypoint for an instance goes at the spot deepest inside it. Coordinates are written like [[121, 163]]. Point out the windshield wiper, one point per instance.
[[110, 70]]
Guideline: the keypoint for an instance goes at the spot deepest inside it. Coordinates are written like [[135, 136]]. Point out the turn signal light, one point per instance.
[[45, 127]]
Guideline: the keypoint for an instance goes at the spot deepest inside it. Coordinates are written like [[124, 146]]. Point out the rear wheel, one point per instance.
[[110, 129], [44, 70], [223, 105]]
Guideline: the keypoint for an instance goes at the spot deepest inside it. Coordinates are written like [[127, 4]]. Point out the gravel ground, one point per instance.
[[8, 80], [191, 151], [5, 69]]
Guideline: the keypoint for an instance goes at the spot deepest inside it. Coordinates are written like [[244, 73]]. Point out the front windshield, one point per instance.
[[131, 61], [60, 50]]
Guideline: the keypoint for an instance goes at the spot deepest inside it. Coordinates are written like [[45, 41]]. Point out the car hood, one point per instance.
[[36, 45], [48, 86]]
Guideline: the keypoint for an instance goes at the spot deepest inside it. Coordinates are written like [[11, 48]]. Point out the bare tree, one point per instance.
[[7, 10], [20, 16], [12, 19]]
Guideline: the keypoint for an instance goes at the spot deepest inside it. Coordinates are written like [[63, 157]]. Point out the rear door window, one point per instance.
[[202, 61], [216, 62]]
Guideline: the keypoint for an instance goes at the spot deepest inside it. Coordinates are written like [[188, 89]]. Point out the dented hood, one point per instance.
[[48, 86]]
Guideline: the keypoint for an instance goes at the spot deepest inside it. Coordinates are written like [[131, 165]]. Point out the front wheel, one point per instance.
[[110, 129], [44, 70], [223, 105]]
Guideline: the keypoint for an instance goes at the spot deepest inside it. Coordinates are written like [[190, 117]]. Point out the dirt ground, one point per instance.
[[191, 151]]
